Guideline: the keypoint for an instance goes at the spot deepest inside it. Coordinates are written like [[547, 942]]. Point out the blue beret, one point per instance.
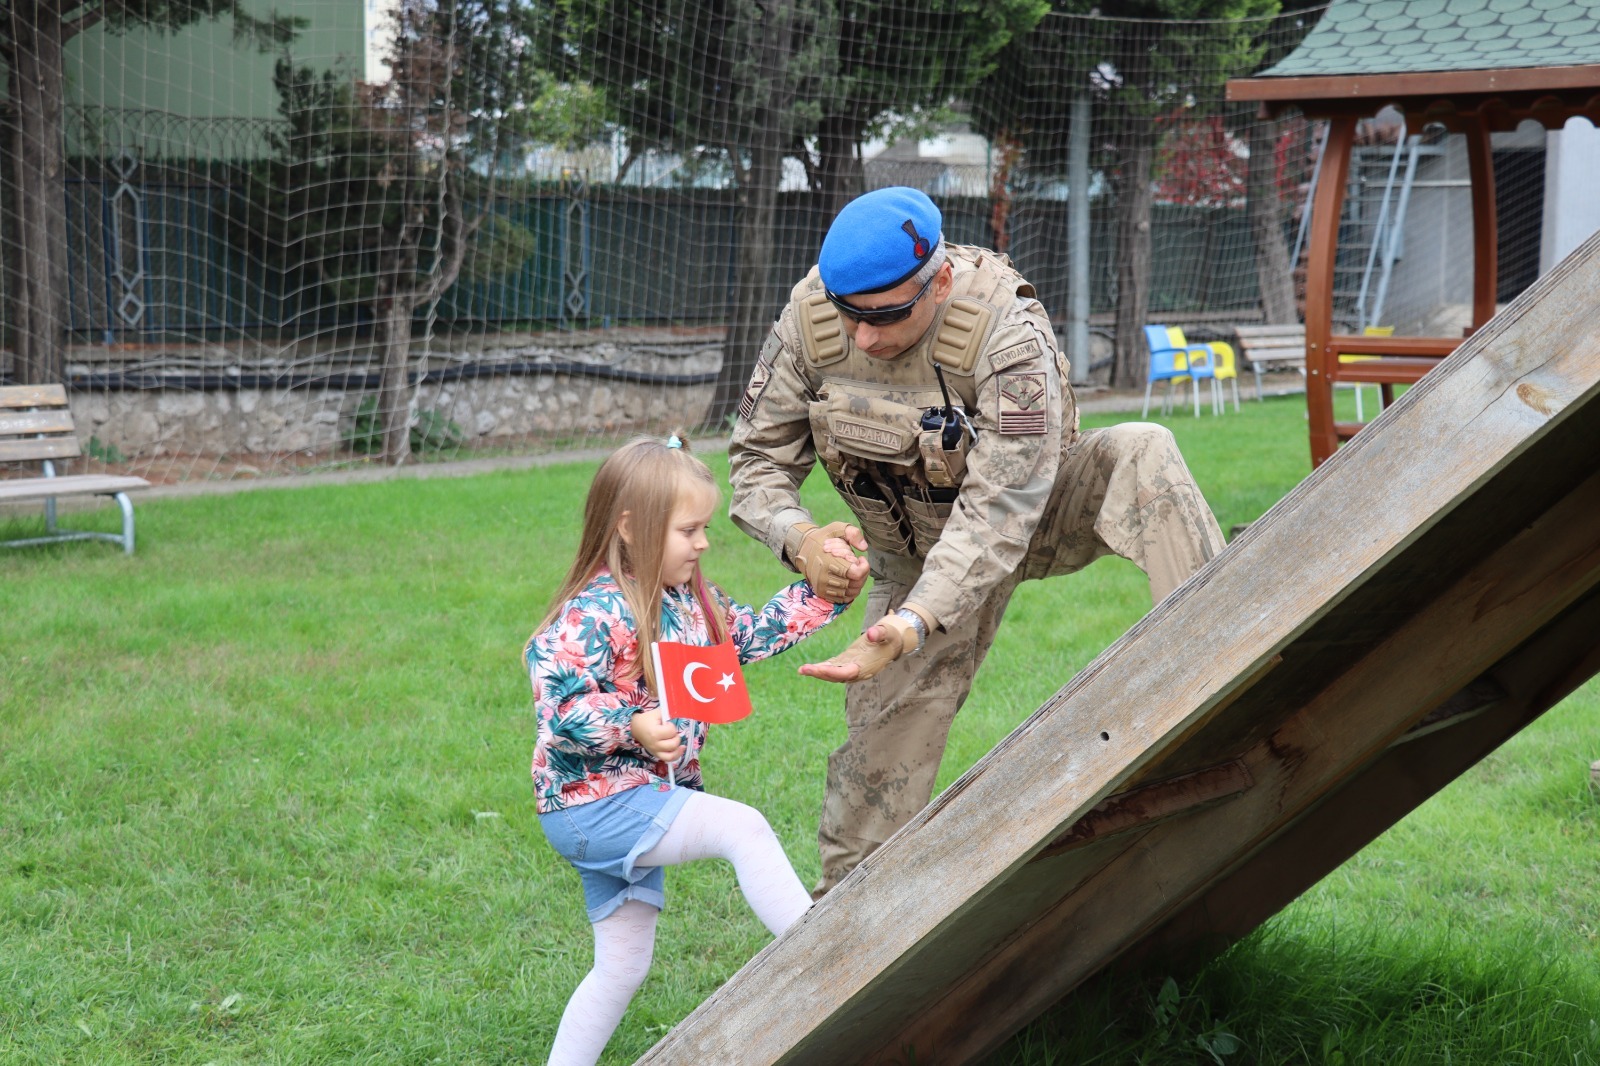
[[879, 240]]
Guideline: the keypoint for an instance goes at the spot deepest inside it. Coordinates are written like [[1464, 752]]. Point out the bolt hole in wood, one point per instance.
[[1105, 736]]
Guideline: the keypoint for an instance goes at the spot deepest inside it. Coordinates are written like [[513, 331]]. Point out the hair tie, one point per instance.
[[674, 442]]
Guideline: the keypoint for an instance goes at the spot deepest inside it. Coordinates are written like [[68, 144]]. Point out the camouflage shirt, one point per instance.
[[812, 390]]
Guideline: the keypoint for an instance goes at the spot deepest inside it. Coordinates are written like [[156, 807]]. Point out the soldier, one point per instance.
[[926, 380]]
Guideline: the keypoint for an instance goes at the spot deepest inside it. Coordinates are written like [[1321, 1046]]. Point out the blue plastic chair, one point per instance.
[[1172, 364]]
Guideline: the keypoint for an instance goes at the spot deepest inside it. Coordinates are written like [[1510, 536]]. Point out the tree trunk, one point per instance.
[[1130, 369], [36, 314], [841, 176], [1266, 226], [756, 302], [392, 336]]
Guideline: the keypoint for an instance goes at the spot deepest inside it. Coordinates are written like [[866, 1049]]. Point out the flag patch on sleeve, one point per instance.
[[759, 378]]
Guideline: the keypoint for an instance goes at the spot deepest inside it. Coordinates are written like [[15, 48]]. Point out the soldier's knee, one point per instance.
[[1146, 436]]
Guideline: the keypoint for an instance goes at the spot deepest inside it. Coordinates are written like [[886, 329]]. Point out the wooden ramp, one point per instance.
[[1414, 603]]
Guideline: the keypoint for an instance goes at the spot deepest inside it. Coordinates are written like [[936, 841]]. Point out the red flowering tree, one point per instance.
[[1199, 163]]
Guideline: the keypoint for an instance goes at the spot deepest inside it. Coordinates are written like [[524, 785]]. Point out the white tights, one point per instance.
[[707, 827]]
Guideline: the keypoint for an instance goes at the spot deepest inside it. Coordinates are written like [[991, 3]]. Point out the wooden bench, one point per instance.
[[1276, 346], [36, 426]]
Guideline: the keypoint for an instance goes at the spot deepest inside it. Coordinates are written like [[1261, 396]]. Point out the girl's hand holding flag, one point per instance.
[[660, 738]]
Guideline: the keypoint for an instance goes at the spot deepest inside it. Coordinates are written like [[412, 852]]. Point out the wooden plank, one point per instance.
[[73, 485], [1531, 680], [1379, 371], [13, 396], [1434, 84], [17, 451], [1435, 347], [1431, 517], [1519, 589], [30, 422]]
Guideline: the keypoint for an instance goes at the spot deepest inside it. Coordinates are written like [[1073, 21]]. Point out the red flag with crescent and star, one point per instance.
[[702, 682]]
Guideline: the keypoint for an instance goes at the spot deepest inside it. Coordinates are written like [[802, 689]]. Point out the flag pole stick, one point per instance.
[[661, 695]]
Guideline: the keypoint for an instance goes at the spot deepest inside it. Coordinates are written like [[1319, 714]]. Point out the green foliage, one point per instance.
[[368, 197], [690, 75], [431, 432], [1175, 57], [105, 453], [568, 114]]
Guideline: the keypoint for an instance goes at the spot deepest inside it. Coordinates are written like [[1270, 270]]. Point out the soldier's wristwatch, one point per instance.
[[908, 615]]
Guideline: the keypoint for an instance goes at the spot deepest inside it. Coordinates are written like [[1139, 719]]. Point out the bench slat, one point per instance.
[[30, 422], [13, 396], [12, 451], [72, 485]]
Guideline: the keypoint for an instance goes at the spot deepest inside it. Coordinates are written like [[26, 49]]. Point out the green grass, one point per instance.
[[264, 799]]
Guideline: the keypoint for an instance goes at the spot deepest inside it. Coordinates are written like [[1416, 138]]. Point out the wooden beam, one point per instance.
[[1472, 700], [1383, 87], [1519, 589], [1530, 681], [1325, 212], [1485, 228], [1411, 347], [1148, 805], [1384, 371]]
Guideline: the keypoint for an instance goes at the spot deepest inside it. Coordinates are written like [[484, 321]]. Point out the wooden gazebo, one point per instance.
[[1474, 66]]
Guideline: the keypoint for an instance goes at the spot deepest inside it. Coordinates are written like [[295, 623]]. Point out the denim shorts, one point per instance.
[[603, 838]]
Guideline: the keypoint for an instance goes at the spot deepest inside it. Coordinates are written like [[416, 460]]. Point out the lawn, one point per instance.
[[264, 799]]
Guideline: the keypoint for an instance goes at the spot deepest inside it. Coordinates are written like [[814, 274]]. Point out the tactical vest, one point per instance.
[[897, 477]]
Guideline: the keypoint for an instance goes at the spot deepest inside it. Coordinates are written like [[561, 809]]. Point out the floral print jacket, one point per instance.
[[584, 749]]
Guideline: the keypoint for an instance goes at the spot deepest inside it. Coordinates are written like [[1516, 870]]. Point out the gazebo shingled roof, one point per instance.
[[1426, 36]]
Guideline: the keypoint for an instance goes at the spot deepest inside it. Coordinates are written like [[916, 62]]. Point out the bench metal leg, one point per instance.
[[56, 535], [1257, 368], [127, 521]]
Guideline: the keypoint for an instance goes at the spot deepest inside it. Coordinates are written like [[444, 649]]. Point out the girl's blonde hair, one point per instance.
[[646, 478]]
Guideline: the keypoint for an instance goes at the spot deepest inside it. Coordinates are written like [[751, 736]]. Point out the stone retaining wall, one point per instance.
[[213, 402]]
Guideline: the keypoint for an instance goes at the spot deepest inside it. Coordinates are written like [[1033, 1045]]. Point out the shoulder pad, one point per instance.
[[962, 334], [821, 329]]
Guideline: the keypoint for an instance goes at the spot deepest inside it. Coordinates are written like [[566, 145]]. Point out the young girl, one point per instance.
[[600, 766]]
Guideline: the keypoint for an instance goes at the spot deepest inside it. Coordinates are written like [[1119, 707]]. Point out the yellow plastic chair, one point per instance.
[[1224, 366]]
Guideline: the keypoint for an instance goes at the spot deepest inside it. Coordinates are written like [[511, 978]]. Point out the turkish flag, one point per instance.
[[701, 682]]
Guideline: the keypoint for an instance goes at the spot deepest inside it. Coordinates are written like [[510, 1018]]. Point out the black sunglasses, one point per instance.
[[880, 316]]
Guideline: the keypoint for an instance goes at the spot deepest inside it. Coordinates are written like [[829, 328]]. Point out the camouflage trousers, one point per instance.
[[1122, 491]]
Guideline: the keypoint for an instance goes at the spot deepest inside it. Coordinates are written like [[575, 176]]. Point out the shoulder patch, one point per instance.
[[759, 377], [1023, 403], [1017, 353]]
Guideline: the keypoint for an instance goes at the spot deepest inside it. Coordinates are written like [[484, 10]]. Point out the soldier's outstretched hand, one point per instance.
[[881, 644]]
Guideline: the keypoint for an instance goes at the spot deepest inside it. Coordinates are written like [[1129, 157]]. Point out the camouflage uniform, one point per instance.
[[951, 531]]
